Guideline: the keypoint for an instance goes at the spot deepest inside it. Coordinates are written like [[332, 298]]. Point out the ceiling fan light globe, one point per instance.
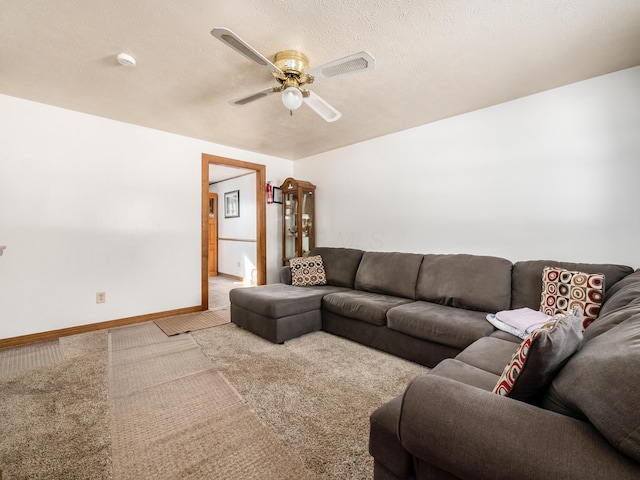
[[292, 98]]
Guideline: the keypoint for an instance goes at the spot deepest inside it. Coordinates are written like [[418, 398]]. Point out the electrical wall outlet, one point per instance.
[[101, 297]]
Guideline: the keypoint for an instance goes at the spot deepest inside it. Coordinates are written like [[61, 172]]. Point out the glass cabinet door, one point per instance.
[[307, 221], [290, 225], [298, 218]]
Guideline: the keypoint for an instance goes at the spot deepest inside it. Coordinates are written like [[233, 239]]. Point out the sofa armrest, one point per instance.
[[285, 275], [476, 434]]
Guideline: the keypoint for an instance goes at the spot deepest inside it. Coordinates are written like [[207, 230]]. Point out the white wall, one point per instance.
[[237, 257], [551, 176], [88, 204]]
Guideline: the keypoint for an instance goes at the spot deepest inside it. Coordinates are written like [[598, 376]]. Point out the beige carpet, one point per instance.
[[54, 419], [175, 416], [193, 321], [27, 357], [316, 392]]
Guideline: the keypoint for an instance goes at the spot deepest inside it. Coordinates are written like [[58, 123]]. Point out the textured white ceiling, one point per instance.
[[434, 59]]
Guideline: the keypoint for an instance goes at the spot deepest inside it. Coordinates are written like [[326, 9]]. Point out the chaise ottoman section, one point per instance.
[[278, 312]]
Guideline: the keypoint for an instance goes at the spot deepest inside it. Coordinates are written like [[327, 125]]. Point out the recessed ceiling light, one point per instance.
[[126, 60]]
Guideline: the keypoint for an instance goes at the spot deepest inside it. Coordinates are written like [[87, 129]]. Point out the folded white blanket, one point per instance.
[[524, 319], [520, 322]]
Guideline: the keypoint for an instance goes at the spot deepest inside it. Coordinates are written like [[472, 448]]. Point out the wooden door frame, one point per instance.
[[261, 218], [212, 196]]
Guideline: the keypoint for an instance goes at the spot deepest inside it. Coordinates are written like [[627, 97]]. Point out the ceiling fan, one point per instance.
[[290, 68]]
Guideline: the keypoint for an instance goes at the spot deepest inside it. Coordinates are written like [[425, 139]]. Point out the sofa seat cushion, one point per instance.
[[473, 282], [364, 306], [464, 373], [489, 353], [450, 326], [601, 382], [506, 336], [278, 300], [389, 273]]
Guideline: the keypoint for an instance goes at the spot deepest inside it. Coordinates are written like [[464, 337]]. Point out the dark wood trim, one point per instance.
[[204, 285], [231, 277], [261, 224], [261, 218], [92, 327]]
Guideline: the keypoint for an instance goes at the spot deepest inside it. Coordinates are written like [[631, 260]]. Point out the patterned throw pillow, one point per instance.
[[538, 359], [562, 290], [307, 271]]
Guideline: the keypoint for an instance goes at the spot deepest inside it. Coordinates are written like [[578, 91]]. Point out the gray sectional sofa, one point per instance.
[[448, 424]]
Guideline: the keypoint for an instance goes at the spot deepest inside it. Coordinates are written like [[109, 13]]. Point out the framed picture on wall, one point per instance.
[[232, 204], [277, 195]]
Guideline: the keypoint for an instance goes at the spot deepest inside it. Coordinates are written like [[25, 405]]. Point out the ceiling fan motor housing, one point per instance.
[[292, 62]]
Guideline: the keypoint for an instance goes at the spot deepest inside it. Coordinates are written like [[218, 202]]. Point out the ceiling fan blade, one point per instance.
[[234, 41], [238, 102], [322, 108], [358, 62]]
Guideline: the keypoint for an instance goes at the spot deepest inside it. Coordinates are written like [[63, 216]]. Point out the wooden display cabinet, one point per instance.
[[298, 218]]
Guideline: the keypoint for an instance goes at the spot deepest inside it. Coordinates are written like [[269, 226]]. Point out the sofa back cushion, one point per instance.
[[609, 320], [622, 293], [601, 383], [389, 273], [526, 278], [622, 301], [473, 282], [340, 264]]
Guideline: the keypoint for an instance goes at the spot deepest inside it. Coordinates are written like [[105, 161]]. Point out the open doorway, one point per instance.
[[260, 214]]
